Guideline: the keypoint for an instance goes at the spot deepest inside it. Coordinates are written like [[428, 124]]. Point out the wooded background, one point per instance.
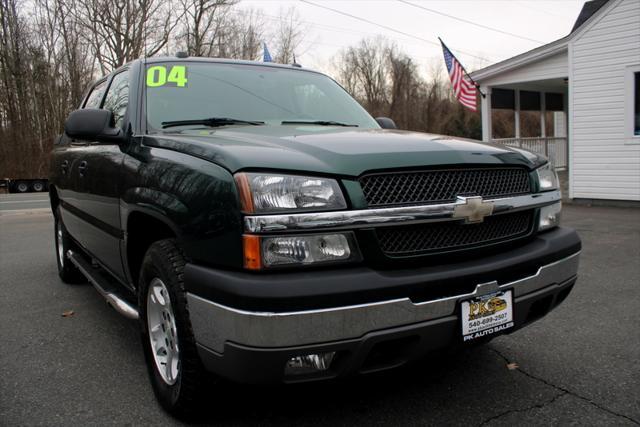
[[51, 50]]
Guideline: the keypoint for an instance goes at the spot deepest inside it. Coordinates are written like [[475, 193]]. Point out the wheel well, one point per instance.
[[142, 231], [53, 197]]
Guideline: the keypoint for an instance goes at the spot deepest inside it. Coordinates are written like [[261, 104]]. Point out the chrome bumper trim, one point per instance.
[[364, 218], [214, 324]]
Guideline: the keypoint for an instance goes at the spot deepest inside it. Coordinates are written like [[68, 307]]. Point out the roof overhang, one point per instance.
[[550, 49], [553, 48]]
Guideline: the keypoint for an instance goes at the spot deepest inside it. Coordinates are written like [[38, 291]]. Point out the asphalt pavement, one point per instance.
[[579, 365], [24, 201]]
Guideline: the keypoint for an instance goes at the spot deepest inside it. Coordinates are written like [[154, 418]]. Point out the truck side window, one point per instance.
[[95, 97], [118, 97]]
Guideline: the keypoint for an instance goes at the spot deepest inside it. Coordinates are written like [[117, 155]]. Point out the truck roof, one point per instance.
[[158, 59]]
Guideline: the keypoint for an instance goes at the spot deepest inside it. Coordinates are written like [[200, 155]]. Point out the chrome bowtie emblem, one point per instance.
[[472, 209]]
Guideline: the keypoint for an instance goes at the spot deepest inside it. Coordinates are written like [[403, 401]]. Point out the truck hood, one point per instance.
[[334, 151]]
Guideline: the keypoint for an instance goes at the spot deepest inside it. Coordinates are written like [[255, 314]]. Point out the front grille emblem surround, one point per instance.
[[472, 209]]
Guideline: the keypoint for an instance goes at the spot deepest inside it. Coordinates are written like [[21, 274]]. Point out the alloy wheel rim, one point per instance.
[[59, 246], [163, 334]]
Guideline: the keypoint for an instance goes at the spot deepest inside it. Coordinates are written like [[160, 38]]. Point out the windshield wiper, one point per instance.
[[317, 122], [211, 122]]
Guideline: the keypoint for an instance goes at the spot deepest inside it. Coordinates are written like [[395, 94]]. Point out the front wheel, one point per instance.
[[167, 338]]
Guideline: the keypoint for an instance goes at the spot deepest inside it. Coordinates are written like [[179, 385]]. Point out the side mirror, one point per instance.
[[92, 125], [386, 123]]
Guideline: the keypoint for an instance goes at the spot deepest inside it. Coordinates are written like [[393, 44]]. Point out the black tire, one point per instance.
[[22, 186], [37, 186], [165, 260], [67, 270]]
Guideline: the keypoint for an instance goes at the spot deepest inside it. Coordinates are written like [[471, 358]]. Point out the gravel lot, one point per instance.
[[578, 365]]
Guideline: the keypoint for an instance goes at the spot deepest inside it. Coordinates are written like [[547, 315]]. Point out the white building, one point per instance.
[[591, 79]]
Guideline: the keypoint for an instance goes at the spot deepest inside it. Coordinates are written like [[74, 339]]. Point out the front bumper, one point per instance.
[[252, 345], [373, 352]]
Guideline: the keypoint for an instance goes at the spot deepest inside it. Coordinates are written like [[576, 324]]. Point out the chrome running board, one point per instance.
[[102, 286]]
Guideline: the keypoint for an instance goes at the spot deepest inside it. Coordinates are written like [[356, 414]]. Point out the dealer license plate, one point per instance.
[[487, 315]]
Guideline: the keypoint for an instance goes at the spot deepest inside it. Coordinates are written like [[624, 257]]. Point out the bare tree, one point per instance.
[[44, 68], [67, 53], [19, 126], [386, 82], [123, 30], [203, 23], [288, 36], [364, 69], [11, 63], [245, 34], [403, 87]]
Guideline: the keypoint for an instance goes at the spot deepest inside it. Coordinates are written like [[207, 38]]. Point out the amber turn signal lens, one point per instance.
[[246, 200], [251, 249]]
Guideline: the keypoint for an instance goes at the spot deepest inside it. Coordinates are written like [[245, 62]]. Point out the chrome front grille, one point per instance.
[[448, 236], [439, 186]]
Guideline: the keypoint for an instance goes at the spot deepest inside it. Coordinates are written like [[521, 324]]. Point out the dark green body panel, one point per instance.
[[344, 152], [196, 198]]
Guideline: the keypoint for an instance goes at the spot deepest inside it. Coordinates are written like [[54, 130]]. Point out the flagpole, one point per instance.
[[464, 69]]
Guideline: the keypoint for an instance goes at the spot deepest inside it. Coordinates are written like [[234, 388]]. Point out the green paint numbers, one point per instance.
[[158, 76]]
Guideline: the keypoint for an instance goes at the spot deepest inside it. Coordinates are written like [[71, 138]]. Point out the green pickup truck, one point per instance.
[[262, 227]]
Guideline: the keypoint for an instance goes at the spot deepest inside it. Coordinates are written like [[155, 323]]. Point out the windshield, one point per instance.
[[193, 91]]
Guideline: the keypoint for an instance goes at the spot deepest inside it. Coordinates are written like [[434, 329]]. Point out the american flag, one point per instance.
[[463, 87]]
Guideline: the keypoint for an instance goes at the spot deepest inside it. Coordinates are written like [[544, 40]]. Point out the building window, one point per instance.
[[632, 104], [636, 96]]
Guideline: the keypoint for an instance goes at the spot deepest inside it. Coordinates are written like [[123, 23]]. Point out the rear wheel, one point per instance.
[[22, 187], [67, 271], [38, 186], [167, 337]]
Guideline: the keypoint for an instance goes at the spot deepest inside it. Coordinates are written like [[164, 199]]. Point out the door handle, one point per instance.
[[82, 168], [64, 167]]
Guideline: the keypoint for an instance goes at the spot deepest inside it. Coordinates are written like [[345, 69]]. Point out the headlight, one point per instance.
[[547, 177], [550, 216], [269, 193], [288, 251]]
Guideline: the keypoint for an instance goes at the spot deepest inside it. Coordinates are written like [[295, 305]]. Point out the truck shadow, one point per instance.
[[380, 398]]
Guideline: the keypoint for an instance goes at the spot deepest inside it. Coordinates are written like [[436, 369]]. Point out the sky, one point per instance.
[[328, 32]]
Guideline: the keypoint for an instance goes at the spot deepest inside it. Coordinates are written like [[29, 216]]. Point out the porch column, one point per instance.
[[543, 123], [543, 116], [565, 110], [485, 114], [516, 117]]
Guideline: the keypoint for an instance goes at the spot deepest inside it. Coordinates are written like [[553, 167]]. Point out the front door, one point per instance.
[[72, 152], [98, 169]]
